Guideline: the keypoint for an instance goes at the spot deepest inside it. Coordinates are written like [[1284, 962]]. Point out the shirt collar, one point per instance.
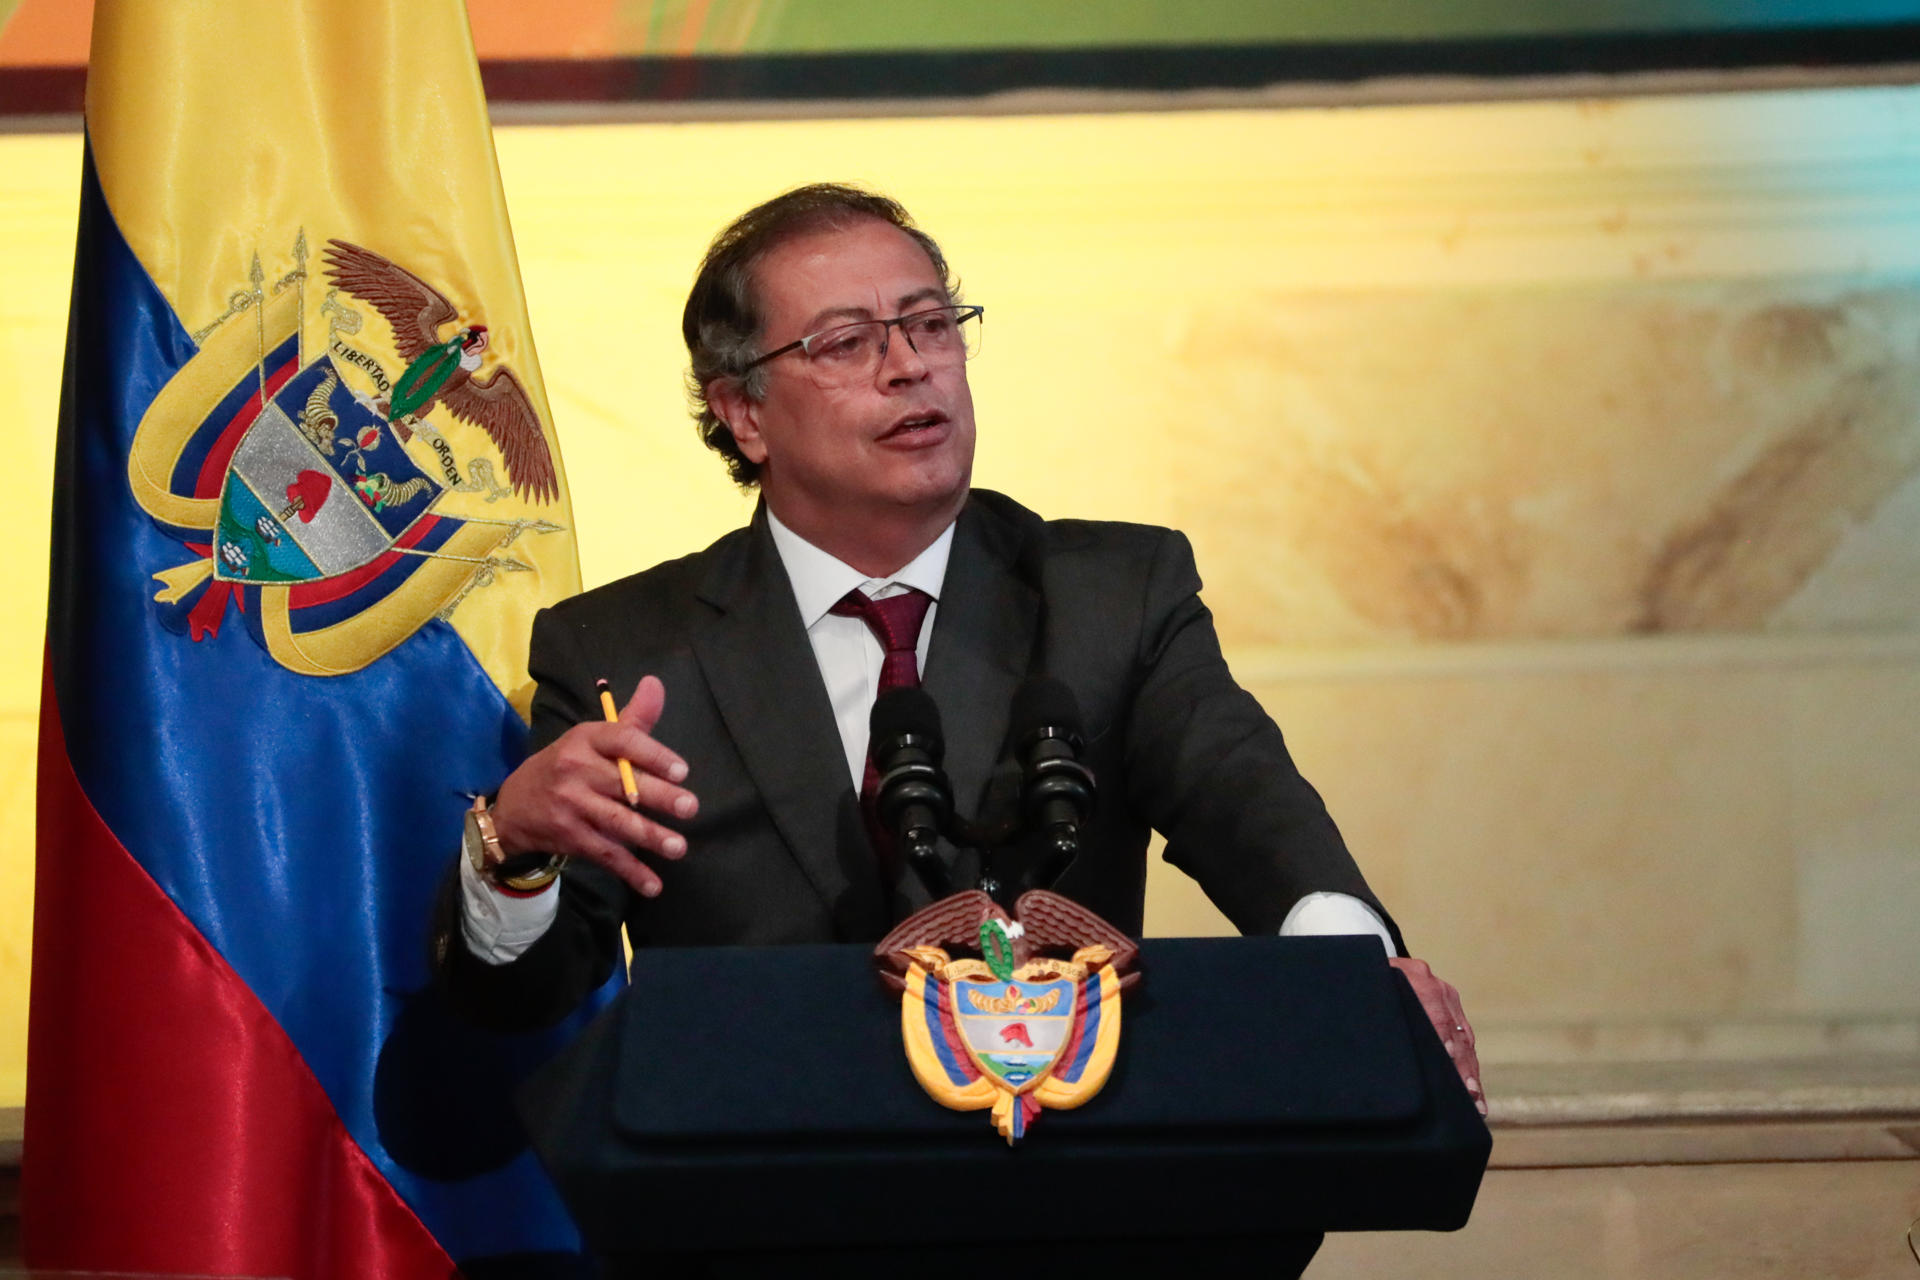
[[821, 581]]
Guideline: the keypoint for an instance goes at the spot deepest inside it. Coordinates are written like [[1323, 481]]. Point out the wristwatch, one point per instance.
[[527, 873]]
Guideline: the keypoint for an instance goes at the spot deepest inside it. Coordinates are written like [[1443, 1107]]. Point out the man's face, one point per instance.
[[899, 441]]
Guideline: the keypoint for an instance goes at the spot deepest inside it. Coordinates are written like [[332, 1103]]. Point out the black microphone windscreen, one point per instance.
[[908, 710], [1044, 702]]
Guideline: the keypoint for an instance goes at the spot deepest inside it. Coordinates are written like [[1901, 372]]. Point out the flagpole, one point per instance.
[[259, 278], [300, 270]]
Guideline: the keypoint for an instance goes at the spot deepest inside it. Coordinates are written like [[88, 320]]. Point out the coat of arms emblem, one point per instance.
[[1020, 1027], [291, 481]]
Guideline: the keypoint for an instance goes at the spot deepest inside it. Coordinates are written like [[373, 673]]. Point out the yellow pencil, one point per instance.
[[613, 713]]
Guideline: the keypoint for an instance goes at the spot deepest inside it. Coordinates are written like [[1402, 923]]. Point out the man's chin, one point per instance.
[[926, 479], [944, 489]]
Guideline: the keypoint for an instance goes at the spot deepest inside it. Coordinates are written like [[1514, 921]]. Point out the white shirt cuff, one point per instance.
[[499, 927], [1318, 914]]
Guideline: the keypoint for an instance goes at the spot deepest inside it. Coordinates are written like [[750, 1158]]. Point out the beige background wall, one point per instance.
[[1553, 468]]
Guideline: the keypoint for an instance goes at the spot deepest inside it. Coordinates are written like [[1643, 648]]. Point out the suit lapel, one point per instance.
[[983, 637], [766, 683]]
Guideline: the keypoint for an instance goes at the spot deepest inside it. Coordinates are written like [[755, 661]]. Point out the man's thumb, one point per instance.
[[642, 711]]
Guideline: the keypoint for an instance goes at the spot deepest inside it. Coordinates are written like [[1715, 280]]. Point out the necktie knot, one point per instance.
[[894, 621]]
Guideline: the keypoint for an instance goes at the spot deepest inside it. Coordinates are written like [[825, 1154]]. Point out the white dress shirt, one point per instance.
[[849, 654], [499, 927]]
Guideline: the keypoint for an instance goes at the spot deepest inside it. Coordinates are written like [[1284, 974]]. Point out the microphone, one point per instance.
[[914, 798], [1056, 790]]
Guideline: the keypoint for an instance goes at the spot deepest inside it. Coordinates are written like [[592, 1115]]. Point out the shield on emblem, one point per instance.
[[319, 486], [1014, 1030]]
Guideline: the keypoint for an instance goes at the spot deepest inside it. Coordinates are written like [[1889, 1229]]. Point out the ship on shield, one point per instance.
[[1013, 1030]]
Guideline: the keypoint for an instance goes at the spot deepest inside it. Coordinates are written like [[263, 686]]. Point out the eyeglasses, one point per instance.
[[851, 353]]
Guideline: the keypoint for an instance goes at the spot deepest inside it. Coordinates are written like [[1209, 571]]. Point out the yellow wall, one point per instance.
[[1550, 465], [39, 202]]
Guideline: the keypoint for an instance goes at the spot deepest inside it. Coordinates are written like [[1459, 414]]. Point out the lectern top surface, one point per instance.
[[1228, 1035]]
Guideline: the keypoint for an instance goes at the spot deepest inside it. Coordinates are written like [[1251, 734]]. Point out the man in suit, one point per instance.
[[829, 357]]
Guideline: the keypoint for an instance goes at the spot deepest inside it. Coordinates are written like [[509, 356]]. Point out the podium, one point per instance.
[[757, 1102]]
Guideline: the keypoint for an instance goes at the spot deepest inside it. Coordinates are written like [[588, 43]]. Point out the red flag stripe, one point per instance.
[[165, 1106]]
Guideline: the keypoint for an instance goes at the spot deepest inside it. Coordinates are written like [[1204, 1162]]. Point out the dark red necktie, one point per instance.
[[895, 623]]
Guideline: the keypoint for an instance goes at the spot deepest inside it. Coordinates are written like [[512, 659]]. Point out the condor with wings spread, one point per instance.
[[441, 370]]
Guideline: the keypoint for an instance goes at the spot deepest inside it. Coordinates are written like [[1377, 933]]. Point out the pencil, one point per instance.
[[613, 713]]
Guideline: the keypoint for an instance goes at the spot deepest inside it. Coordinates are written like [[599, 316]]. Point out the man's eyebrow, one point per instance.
[[920, 295], [831, 315], [822, 319]]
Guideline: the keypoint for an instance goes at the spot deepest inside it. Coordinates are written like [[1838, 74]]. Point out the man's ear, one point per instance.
[[728, 398]]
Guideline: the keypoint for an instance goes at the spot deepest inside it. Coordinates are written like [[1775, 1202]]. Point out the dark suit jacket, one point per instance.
[[778, 852]]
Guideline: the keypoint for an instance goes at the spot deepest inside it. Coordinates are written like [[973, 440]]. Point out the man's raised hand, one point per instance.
[[568, 798]]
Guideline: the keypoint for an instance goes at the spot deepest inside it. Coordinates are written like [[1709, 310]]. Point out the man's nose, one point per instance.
[[900, 360]]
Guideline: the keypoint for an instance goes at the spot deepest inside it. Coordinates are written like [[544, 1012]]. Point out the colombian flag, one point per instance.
[[307, 500]]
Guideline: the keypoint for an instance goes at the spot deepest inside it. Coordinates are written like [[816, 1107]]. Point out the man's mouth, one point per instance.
[[915, 422]]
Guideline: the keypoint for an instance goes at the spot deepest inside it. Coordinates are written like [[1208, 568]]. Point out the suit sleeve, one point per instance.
[[577, 953], [1209, 769]]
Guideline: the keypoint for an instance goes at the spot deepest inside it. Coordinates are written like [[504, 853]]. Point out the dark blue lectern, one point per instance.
[[754, 1104]]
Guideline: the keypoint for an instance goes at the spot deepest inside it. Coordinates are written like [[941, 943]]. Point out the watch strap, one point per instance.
[[520, 875]]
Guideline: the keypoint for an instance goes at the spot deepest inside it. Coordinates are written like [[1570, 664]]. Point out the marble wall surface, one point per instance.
[[1595, 612], [1543, 462]]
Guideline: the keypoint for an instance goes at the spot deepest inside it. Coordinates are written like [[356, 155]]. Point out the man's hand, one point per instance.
[[567, 799], [1442, 1004]]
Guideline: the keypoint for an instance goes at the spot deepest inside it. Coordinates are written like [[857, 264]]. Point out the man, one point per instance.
[[829, 352]]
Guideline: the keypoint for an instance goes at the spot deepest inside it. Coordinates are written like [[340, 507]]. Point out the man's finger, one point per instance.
[[638, 718], [643, 709], [1467, 1059], [614, 821], [1459, 1014], [619, 860], [1470, 1076], [657, 795], [1469, 1056], [645, 753]]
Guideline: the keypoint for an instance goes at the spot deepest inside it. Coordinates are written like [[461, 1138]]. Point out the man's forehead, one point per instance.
[[870, 267]]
